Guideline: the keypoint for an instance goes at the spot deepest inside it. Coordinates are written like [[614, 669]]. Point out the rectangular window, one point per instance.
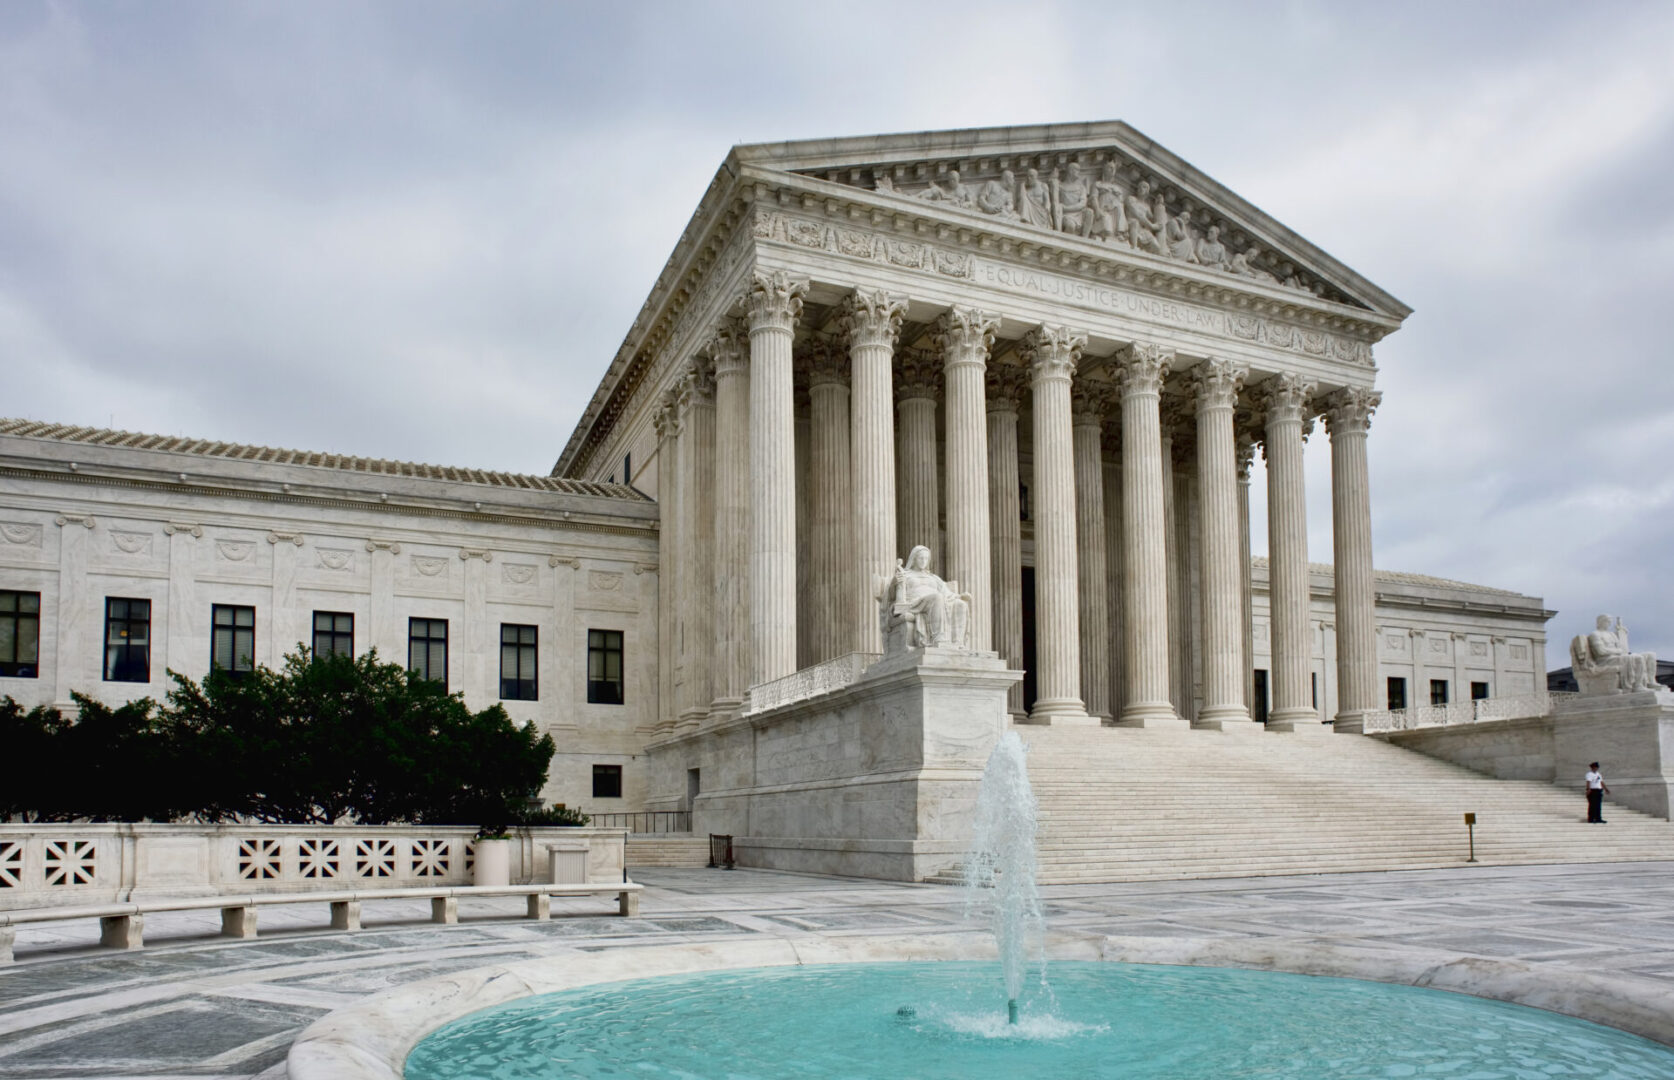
[[607, 781], [127, 640], [1313, 688], [1397, 693], [1479, 690], [233, 645], [628, 469], [1258, 688], [604, 667], [20, 634], [427, 649], [334, 633], [517, 663], [1438, 691]]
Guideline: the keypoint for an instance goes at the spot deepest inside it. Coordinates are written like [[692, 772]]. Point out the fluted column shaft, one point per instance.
[[1246, 591], [669, 549], [1348, 416], [1144, 554], [917, 495], [831, 554], [1217, 384], [1113, 573], [1175, 625], [1286, 399], [697, 483], [1054, 353], [965, 335], [728, 351], [871, 319], [1092, 583], [1005, 387], [775, 302]]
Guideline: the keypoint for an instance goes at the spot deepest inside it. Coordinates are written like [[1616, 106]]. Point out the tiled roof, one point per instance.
[[1402, 578], [34, 429]]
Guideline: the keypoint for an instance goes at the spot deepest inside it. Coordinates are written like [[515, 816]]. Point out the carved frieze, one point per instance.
[[131, 543], [518, 573], [235, 550], [429, 565], [20, 534], [337, 559]]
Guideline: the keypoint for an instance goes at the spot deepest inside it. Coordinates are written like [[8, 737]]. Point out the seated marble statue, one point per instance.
[[1603, 664], [918, 609]]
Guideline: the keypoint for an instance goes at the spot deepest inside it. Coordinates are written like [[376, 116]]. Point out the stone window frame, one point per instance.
[[236, 634], [431, 642], [338, 640], [124, 618], [519, 643], [14, 614], [1395, 691], [604, 689], [612, 777], [1439, 692]]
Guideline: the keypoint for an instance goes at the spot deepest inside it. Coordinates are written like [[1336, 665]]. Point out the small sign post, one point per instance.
[[1470, 823]]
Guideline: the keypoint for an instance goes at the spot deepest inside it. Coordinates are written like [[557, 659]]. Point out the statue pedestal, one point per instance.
[[1631, 736], [876, 779]]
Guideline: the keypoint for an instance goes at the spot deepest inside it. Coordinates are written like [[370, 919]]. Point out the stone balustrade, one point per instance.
[[1517, 707], [812, 681], [45, 865]]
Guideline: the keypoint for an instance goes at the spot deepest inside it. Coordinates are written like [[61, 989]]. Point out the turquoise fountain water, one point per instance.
[[1000, 868]]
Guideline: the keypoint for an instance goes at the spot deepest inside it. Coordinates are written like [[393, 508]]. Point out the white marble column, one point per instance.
[[1114, 646], [871, 319], [831, 551], [667, 423], [1054, 353], [965, 335], [1006, 383], [775, 303], [81, 615], [731, 676], [1246, 454], [1216, 383], [1286, 400], [1088, 400], [1348, 415], [1176, 624], [697, 568], [1144, 548], [918, 384]]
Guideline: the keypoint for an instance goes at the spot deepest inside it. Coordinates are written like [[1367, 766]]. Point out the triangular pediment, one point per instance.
[[1102, 183]]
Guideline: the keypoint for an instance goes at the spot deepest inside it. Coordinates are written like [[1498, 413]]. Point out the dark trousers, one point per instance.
[[1595, 806]]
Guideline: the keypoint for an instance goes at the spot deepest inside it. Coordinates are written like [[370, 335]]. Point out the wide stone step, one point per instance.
[[667, 850]]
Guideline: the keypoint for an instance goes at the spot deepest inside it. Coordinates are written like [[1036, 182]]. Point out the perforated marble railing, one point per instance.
[[811, 682], [1517, 707]]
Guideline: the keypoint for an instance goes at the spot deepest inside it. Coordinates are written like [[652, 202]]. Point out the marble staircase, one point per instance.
[[667, 850], [1132, 805]]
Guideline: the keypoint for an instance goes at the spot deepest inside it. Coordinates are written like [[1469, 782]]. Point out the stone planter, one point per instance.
[[493, 863]]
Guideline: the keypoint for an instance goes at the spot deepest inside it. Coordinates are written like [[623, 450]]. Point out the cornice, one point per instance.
[[561, 519]]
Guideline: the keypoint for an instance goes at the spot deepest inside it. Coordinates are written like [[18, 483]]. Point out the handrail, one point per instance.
[[646, 821], [1515, 707]]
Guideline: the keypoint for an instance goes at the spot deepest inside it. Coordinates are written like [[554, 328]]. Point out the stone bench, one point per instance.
[[122, 926]]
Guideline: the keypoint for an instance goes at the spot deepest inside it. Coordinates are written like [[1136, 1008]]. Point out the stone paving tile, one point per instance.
[[69, 1010]]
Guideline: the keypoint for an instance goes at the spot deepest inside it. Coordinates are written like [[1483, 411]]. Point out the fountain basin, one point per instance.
[[372, 1039], [933, 1020]]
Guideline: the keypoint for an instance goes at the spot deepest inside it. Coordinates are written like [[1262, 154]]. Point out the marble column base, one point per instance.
[[1349, 723], [1068, 712], [722, 709]]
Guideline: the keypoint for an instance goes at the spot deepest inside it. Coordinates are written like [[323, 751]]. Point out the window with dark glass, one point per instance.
[[1438, 691], [1258, 689], [604, 667], [1479, 690], [607, 781], [427, 649], [628, 468], [20, 634], [334, 633], [1313, 688], [233, 644], [127, 640], [1397, 693], [517, 663]]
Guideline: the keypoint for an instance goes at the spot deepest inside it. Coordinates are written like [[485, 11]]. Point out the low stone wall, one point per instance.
[[46, 865], [876, 779], [1630, 735]]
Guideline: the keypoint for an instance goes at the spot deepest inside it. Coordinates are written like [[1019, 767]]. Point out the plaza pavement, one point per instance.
[[194, 1005]]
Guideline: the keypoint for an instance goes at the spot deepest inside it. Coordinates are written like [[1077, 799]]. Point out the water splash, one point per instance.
[[1000, 869]]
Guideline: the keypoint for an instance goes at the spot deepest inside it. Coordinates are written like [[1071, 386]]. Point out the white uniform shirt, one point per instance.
[[1595, 780]]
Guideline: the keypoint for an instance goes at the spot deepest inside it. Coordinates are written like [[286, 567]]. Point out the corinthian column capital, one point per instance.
[[667, 418], [1053, 352], [965, 334], [1286, 396], [1349, 410], [1006, 384], [697, 383], [873, 317], [1143, 367], [827, 364], [1090, 399], [775, 300], [728, 349], [917, 375], [1216, 383]]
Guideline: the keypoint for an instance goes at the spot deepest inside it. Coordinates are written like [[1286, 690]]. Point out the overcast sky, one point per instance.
[[420, 231]]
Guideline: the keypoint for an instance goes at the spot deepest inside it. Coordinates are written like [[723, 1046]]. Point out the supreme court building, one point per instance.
[[1052, 355]]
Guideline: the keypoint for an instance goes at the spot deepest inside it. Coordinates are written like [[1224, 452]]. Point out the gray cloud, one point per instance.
[[421, 230]]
